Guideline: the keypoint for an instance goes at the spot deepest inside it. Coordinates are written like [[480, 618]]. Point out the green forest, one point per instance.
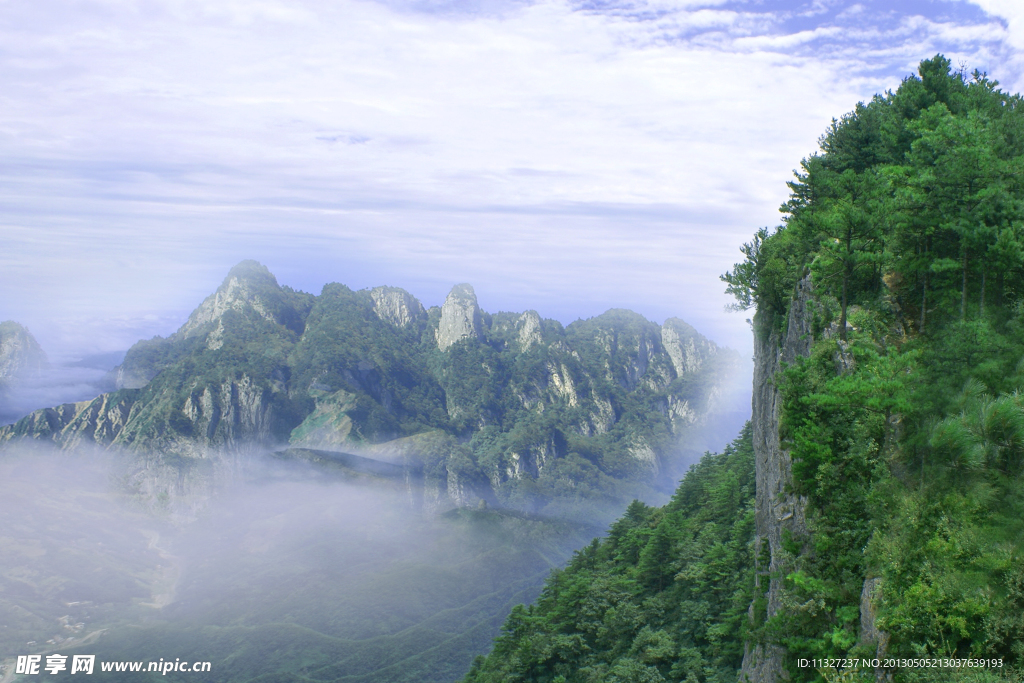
[[905, 425], [662, 598]]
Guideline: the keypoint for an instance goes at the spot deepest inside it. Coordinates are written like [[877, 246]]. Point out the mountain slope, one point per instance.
[[663, 598], [889, 420]]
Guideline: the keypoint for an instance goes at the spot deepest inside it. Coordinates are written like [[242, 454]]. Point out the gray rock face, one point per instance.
[[687, 348], [21, 357], [226, 416], [460, 317], [240, 291], [869, 631], [100, 420], [396, 306], [528, 326], [642, 350], [233, 412], [775, 510]]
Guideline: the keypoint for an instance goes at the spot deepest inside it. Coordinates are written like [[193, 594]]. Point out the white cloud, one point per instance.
[[1012, 12], [790, 40], [559, 158]]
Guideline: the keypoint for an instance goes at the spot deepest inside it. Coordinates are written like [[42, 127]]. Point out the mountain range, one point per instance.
[[508, 408]]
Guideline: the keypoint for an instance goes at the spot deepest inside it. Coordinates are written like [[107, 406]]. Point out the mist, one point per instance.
[[68, 381], [259, 565]]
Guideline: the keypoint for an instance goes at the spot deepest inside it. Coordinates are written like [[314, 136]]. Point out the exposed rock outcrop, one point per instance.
[[776, 510], [225, 416], [249, 287], [870, 634], [645, 455], [460, 317], [396, 306], [249, 292], [529, 330], [687, 348], [231, 412], [100, 420]]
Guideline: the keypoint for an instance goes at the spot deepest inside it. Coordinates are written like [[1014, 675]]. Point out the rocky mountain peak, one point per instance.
[[250, 271], [346, 377], [687, 348], [20, 354], [249, 286], [249, 290], [396, 306], [460, 317]]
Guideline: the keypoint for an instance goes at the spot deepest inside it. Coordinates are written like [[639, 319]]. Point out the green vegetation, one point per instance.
[[906, 422], [663, 597]]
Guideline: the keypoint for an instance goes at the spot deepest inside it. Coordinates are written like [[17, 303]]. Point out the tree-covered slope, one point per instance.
[[903, 421], [663, 597]]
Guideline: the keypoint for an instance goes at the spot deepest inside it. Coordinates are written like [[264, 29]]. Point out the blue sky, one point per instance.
[[562, 155]]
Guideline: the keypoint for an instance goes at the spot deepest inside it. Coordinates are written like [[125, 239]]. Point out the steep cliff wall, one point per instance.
[[776, 510]]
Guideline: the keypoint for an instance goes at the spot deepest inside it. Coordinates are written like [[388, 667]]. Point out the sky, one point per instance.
[[567, 156]]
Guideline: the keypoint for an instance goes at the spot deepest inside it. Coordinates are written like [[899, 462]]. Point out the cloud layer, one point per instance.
[[568, 156]]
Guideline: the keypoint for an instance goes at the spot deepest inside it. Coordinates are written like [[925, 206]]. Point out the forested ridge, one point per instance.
[[904, 422]]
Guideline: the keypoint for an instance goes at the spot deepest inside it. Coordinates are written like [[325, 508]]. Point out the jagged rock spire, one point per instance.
[[460, 317]]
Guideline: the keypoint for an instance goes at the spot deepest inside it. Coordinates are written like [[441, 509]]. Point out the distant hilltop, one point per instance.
[[509, 408], [21, 357]]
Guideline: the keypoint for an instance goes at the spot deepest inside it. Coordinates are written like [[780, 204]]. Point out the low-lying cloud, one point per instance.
[[132, 557]]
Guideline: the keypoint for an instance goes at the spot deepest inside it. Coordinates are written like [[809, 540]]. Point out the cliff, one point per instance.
[[889, 449], [777, 511]]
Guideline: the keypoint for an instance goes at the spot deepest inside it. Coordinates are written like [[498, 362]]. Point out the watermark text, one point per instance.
[[32, 665]]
